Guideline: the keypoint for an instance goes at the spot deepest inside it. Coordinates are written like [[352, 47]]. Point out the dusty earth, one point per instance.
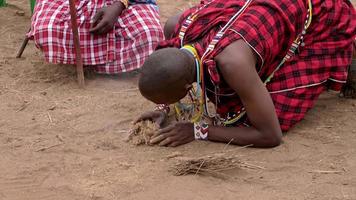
[[61, 142]]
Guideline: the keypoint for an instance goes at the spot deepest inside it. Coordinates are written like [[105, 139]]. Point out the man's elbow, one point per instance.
[[273, 140]]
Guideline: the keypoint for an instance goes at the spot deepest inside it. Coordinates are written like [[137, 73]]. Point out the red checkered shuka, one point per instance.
[[269, 28], [135, 35]]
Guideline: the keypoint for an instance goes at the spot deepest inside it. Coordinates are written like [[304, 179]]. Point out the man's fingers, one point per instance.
[[139, 120], [167, 141], [163, 131], [105, 29], [160, 121], [143, 117], [174, 144], [96, 18], [99, 26], [158, 138], [152, 116]]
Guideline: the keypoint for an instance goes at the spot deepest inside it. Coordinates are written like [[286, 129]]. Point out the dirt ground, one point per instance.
[[61, 142]]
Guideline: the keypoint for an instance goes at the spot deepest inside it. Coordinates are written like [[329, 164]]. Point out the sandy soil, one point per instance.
[[61, 142]]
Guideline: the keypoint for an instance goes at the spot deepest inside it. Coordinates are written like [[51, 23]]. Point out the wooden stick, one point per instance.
[[78, 55], [22, 49], [23, 46]]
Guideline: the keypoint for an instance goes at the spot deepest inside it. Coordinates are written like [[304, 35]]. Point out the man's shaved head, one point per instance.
[[166, 75]]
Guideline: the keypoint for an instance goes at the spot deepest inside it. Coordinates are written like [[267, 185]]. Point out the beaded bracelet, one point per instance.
[[201, 130], [163, 107]]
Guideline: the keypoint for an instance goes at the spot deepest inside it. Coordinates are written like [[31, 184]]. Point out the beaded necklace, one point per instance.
[[196, 96]]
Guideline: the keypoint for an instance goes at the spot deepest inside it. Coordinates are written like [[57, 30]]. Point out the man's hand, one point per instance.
[[157, 117], [174, 135], [105, 18]]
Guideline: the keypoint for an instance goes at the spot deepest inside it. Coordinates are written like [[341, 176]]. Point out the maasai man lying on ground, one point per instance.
[[116, 36], [262, 63]]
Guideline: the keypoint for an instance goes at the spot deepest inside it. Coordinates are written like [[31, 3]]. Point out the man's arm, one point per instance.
[[237, 65], [170, 25]]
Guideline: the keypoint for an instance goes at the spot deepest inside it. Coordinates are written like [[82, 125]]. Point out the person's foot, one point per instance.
[[89, 72], [349, 90]]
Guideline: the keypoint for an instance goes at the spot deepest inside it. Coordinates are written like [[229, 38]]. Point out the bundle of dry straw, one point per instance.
[[210, 165], [142, 132]]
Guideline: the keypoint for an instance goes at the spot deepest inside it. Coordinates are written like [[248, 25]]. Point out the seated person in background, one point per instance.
[[116, 36], [263, 64]]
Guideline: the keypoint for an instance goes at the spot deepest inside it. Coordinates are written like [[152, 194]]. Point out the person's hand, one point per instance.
[[157, 117], [105, 18], [174, 135]]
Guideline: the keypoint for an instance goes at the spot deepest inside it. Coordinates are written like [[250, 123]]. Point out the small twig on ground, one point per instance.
[[49, 117], [49, 147], [174, 155], [228, 144], [60, 138], [326, 172], [23, 106], [123, 131], [252, 166], [324, 127]]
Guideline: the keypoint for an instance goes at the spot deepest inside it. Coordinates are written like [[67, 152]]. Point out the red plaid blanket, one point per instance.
[[136, 34], [269, 28]]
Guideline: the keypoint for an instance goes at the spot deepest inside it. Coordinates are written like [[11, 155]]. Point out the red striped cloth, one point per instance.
[[135, 35], [269, 28]]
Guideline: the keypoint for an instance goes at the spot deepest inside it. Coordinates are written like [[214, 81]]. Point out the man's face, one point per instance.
[[170, 96]]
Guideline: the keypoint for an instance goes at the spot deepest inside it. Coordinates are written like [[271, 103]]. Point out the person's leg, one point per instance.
[[349, 90], [292, 106], [45, 30]]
